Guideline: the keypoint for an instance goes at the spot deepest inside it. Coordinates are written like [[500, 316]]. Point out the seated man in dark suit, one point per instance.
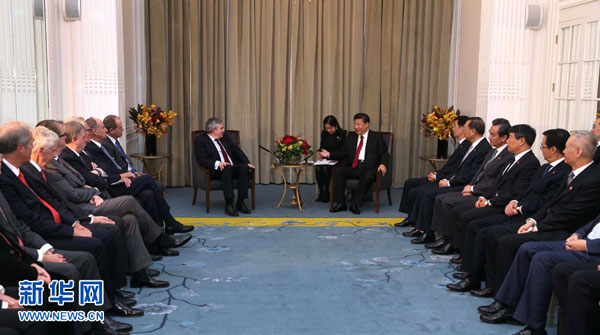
[[577, 286], [114, 130], [225, 161], [527, 290], [462, 146], [364, 159], [596, 132]]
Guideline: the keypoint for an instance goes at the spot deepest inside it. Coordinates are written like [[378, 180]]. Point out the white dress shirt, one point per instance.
[[221, 159]]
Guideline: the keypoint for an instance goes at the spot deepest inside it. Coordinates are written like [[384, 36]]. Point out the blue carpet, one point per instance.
[[304, 280]]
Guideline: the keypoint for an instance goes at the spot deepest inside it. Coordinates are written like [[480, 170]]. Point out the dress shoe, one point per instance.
[[405, 223], [230, 210], [124, 294], [491, 308], [436, 244], [140, 281], [156, 258], [500, 316], [460, 268], [445, 249], [112, 326], [531, 331], [122, 310], [129, 302], [152, 272], [163, 252], [339, 208], [460, 275], [413, 233], [241, 207], [425, 238], [354, 209], [177, 227], [323, 197], [174, 241], [463, 286], [456, 260], [485, 292]]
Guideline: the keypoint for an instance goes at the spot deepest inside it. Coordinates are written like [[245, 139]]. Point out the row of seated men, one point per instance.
[[73, 208], [525, 230]]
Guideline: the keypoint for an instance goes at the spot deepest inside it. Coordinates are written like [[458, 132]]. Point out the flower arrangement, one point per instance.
[[439, 122], [291, 148], [151, 120]]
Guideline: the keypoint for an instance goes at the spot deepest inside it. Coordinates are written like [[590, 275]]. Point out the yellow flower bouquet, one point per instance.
[[439, 122], [152, 120]]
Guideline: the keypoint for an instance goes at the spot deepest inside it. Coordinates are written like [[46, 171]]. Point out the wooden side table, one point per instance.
[[296, 198], [433, 160], [153, 165]]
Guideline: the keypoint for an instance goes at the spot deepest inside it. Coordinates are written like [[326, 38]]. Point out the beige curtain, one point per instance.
[[276, 67]]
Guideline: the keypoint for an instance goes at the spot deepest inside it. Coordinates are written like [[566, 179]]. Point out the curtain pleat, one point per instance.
[[274, 67]]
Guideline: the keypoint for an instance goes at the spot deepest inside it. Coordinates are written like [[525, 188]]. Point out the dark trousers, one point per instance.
[[577, 286], [466, 215], [241, 172], [323, 177], [408, 196], [443, 218], [365, 178], [422, 212]]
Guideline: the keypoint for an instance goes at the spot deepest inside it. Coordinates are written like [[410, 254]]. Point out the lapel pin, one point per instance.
[[570, 188]]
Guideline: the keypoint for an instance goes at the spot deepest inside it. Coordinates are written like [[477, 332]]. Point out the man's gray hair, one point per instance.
[[12, 134], [72, 130], [212, 124], [43, 138], [586, 141]]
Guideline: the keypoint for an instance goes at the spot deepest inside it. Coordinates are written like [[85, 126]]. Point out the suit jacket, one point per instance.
[[485, 177], [471, 164], [593, 246], [28, 208], [543, 188], [97, 155], [68, 182], [597, 155], [449, 169], [15, 263], [207, 154], [116, 154], [84, 167], [573, 205], [67, 211], [510, 184], [375, 152]]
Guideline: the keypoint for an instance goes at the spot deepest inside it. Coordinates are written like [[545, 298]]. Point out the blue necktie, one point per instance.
[[547, 169], [110, 157], [118, 145]]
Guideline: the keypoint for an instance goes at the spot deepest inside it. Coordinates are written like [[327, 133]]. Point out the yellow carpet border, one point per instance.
[[291, 222]]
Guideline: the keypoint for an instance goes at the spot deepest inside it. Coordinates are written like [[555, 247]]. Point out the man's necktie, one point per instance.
[[570, 178], [122, 152], [12, 246], [358, 149], [491, 159], [110, 157], [509, 167], [547, 169], [55, 214], [225, 156], [467, 154]]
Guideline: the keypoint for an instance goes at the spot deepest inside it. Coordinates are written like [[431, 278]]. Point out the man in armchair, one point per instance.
[[225, 161]]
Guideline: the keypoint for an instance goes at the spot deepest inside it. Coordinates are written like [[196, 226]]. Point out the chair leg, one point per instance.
[[207, 201], [389, 192], [377, 201], [195, 193], [253, 198]]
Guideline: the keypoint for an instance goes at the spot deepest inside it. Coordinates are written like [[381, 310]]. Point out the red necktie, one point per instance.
[[225, 157], [55, 214], [360, 144]]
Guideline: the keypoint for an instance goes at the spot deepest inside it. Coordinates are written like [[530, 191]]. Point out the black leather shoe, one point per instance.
[[112, 326], [152, 272], [354, 209], [445, 249], [119, 309], [175, 241], [404, 223], [483, 293], [129, 302], [436, 244], [229, 210], [463, 286], [147, 281], [425, 238], [531, 331], [491, 308], [163, 252], [413, 233], [241, 207], [460, 275], [500, 316], [456, 260], [460, 268], [156, 258], [339, 208], [124, 294], [178, 227]]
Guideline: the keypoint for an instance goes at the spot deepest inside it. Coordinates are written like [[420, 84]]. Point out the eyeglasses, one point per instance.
[[62, 135], [543, 147]]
